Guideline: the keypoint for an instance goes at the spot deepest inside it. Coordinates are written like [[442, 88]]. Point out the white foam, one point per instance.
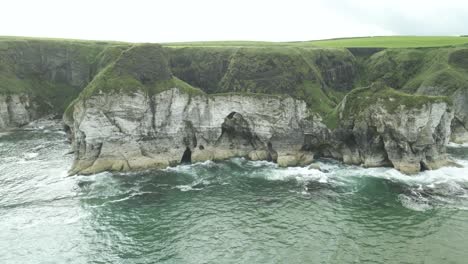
[[186, 188], [189, 167], [300, 174], [4, 134], [30, 155], [444, 174], [414, 203], [456, 145]]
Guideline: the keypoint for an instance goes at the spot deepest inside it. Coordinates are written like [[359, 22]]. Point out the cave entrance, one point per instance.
[[187, 156], [423, 166]]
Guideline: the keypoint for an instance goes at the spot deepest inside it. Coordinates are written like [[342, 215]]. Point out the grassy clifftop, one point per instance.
[[392, 42], [358, 42], [320, 72]]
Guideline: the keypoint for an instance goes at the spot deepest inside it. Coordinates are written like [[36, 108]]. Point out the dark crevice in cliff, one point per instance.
[[95, 156], [272, 153], [9, 111], [423, 166], [112, 121], [190, 135], [152, 106], [145, 153], [457, 120], [236, 130], [187, 156], [231, 115]]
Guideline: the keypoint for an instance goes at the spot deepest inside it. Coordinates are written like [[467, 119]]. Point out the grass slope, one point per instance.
[[362, 42], [432, 71], [392, 42], [52, 71]]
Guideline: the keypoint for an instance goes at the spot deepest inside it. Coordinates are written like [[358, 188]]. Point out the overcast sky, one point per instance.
[[196, 20]]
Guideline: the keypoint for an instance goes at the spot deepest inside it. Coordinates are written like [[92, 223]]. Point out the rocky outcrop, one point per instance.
[[382, 127], [429, 71], [16, 110], [41, 77], [459, 97], [122, 132], [460, 122]]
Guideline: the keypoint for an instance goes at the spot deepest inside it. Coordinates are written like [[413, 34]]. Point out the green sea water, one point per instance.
[[235, 211]]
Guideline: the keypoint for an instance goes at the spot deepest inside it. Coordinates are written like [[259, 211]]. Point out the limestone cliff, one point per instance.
[[378, 126], [16, 110], [134, 132], [430, 71], [135, 115]]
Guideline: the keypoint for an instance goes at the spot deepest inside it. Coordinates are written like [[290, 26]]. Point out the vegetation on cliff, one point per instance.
[[143, 67], [55, 71], [431, 71], [359, 100], [318, 76], [386, 97]]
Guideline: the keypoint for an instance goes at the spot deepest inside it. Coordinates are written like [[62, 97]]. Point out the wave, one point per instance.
[[424, 191], [457, 145]]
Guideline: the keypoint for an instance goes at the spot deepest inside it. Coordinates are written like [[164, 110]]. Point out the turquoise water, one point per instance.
[[225, 212]]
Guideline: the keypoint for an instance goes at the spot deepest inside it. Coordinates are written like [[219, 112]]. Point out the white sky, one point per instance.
[[197, 20]]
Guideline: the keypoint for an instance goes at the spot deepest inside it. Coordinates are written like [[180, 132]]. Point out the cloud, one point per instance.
[[269, 20], [404, 17]]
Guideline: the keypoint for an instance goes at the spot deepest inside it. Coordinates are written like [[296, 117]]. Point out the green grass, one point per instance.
[[390, 99], [359, 42], [60, 40], [434, 71], [391, 42]]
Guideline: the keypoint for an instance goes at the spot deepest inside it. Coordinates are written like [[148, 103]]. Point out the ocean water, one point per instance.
[[235, 211]]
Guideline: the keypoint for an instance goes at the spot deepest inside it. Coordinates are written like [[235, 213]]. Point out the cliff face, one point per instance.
[[431, 71], [128, 132], [39, 77], [16, 110], [379, 126], [317, 76], [136, 115], [141, 106], [132, 132]]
